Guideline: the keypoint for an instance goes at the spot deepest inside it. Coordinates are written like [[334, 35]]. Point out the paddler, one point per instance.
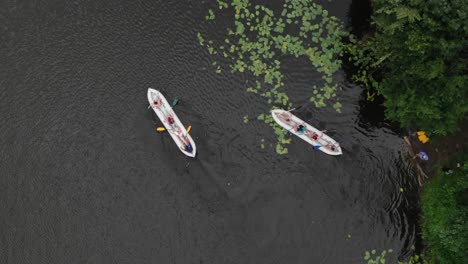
[[170, 120], [301, 129], [187, 143], [422, 155], [157, 102]]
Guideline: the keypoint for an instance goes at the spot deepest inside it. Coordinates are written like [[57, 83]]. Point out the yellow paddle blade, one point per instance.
[[160, 129], [189, 128]]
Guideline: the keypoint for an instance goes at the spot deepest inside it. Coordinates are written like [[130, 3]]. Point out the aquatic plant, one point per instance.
[[246, 119], [211, 15], [260, 38], [373, 257], [445, 213]]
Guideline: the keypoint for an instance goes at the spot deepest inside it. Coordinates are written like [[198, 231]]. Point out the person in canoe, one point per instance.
[[286, 118], [330, 146], [313, 136], [422, 155], [301, 129], [188, 145], [189, 148], [157, 102], [170, 119], [184, 139]]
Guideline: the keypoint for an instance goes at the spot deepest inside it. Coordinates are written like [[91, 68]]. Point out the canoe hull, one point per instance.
[[311, 134], [176, 129]]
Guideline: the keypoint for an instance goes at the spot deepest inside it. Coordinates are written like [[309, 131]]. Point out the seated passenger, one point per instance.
[[314, 136], [188, 147], [285, 117], [157, 102], [170, 120], [301, 129]]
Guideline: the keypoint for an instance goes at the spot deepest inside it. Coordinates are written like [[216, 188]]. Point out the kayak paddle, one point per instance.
[[162, 129]]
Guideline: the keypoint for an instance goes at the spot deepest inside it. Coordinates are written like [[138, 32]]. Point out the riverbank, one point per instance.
[[443, 181], [424, 86], [444, 213], [440, 151]]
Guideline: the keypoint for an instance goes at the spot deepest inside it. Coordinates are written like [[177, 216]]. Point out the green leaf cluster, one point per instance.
[[445, 217], [373, 257], [211, 15], [416, 59]]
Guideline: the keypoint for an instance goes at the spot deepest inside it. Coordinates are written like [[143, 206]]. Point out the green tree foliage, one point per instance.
[[417, 59], [445, 217]]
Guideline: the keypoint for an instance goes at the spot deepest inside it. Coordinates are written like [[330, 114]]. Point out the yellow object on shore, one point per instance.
[[422, 137]]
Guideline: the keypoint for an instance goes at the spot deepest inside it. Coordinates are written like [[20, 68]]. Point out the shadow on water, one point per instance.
[[359, 17]]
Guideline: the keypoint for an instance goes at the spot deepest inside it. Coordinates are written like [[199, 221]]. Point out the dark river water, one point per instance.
[[85, 178]]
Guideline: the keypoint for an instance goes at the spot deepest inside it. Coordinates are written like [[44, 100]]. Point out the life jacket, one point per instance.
[[301, 129], [188, 147]]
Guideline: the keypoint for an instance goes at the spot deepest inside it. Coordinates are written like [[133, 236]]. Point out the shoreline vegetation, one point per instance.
[[412, 55], [415, 57]]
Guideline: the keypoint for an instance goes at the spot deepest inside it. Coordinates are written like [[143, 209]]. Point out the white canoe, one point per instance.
[[176, 129], [310, 134]]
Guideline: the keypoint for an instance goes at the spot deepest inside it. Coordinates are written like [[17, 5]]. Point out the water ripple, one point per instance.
[[86, 177]]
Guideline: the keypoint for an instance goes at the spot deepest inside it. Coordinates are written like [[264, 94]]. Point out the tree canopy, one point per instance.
[[417, 60]]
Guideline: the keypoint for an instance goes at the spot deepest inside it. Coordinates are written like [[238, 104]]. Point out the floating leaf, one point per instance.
[[210, 15], [258, 41], [222, 4], [367, 255], [211, 50], [200, 39], [239, 27]]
